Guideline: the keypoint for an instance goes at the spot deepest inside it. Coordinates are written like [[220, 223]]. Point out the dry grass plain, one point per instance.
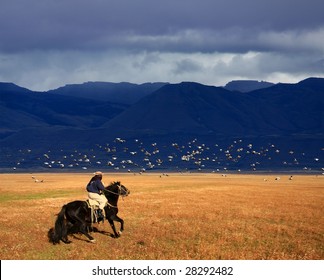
[[180, 216]]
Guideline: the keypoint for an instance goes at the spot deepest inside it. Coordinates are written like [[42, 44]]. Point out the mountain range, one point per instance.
[[95, 114]]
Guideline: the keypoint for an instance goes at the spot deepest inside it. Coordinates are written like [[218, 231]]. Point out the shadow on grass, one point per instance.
[[51, 234]]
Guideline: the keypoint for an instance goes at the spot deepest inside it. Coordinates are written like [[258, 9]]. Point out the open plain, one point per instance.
[[170, 216]]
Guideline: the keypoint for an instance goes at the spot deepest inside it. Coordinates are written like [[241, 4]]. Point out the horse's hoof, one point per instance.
[[93, 241], [120, 232]]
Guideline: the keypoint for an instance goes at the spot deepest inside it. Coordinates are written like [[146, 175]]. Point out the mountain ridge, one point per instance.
[[247, 85], [124, 92], [42, 121], [217, 110]]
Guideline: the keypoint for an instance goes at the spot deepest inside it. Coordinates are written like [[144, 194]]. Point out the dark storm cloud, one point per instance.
[[47, 43], [84, 24]]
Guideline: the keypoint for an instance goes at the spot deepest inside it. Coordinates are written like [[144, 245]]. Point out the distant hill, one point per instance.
[[22, 108], [11, 87], [186, 108], [199, 109], [182, 125], [124, 93], [246, 85]]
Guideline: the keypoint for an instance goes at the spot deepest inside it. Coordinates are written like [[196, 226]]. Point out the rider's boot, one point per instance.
[[101, 216]]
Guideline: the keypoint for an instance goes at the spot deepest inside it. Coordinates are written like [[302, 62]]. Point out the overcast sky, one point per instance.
[[45, 44]]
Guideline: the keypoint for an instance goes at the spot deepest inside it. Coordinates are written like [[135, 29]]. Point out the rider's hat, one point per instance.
[[98, 173]]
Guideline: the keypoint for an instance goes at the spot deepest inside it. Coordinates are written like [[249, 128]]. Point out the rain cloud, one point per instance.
[[46, 44]]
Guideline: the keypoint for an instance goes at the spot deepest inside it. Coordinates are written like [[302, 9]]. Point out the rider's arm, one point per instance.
[[100, 185]]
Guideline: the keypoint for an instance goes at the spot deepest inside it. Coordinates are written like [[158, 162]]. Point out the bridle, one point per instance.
[[119, 194], [119, 191]]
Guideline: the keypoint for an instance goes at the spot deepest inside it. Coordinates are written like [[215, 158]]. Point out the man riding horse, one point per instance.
[[76, 216], [95, 190]]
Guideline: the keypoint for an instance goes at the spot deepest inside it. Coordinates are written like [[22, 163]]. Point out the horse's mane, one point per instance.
[[114, 183]]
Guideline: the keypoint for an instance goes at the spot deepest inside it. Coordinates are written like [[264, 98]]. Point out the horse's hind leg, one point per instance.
[[83, 228], [65, 233]]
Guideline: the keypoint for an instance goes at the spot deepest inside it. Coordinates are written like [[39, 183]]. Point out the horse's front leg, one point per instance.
[[121, 221], [116, 219], [111, 222]]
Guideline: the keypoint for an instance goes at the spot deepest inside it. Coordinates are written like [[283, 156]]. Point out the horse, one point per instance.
[[77, 216]]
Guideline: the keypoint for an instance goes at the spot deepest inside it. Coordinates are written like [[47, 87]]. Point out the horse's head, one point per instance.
[[123, 191], [118, 189]]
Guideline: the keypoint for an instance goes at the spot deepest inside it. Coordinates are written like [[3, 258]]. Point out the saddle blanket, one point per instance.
[[93, 205], [92, 202]]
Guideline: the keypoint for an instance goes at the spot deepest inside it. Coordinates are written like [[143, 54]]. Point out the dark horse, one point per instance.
[[75, 217]]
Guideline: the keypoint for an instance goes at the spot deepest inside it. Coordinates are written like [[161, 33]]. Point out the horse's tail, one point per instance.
[[59, 231]]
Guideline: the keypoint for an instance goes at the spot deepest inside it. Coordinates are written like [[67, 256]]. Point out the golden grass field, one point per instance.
[[180, 216]]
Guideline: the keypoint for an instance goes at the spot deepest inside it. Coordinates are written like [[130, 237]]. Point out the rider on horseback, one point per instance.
[[95, 188]]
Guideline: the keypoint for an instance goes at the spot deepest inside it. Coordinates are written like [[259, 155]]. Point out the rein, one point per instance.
[[112, 192], [110, 205], [119, 194]]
